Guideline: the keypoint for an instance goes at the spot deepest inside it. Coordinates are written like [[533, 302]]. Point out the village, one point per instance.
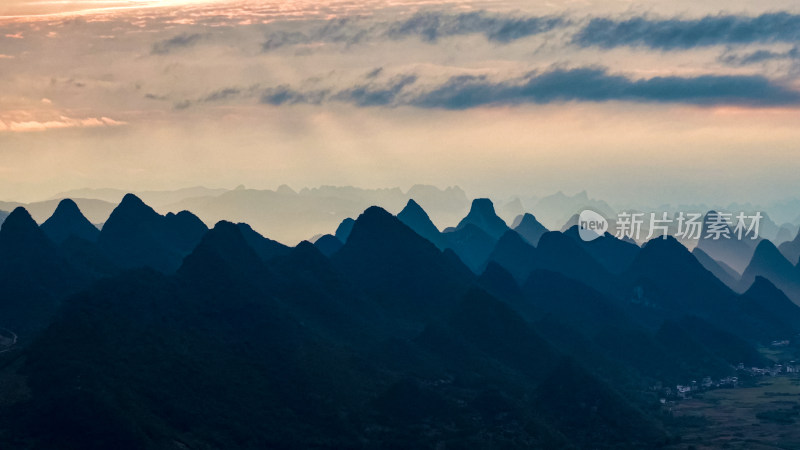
[[745, 377]]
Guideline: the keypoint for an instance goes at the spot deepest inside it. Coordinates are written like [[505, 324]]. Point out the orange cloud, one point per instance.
[[61, 122]]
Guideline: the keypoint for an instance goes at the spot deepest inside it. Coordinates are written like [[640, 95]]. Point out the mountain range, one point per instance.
[[155, 331]]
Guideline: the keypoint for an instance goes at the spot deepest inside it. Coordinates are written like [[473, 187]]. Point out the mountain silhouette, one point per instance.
[[344, 229], [483, 216], [34, 275], [791, 249], [616, 255], [720, 270], [732, 251], [67, 221], [499, 283], [680, 281], [516, 256], [767, 297], [328, 244], [471, 244], [529, 228], [417, 219], [164, 333], [590, 411], [768, 262], [399, 268], [137, 236], [265, 248], [223, 254]]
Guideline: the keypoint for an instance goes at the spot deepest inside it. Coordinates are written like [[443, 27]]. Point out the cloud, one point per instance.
[[759, 56], [680, 34], [180, 41], [285, 95], [589, 84], [61, 122], [428, 26], [431, 26], [375, 94]]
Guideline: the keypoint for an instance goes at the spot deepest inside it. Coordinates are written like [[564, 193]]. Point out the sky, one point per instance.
[[648, 102]]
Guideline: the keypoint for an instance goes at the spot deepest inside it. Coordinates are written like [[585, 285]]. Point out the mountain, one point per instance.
[[223, 254], [264, 247], [499, 283], [383, 340], [328, 244], [96, 211], [616, 255], [483, 216], [344, 229], [529, 228], [786, 233], [590, 411], [417, 219], [511, 209], [516, 256], [291, 216], [398, 268], [732, 251], [155, 198], [771, 299], [471, 244], [34, 274], [3, 215], [554, 210], [791, 249], [137, 236], [720, 270], [668, 275], [768, 262], [666, 281], [67, 221]]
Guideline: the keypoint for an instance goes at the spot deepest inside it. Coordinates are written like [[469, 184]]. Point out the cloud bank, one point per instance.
[[681, 34], [592, 84]]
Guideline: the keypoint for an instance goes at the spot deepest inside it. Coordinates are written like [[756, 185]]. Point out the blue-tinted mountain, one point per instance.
[[560, 253], [483, 216], [720, 270], [680, 281], [3, 215], [398, 268], [137, 236], [515, 255], [34, 275], [614, 254], [764, 296], [390, 342], [328, 244], [591, 411], [265, 248], [556, 252], [223, 256], [417, 219], [732, 251], [667, 281], [67, 221], [344, 229], [471, 244], [499, 282], [529, 228], [768, 262], [791, 250]]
